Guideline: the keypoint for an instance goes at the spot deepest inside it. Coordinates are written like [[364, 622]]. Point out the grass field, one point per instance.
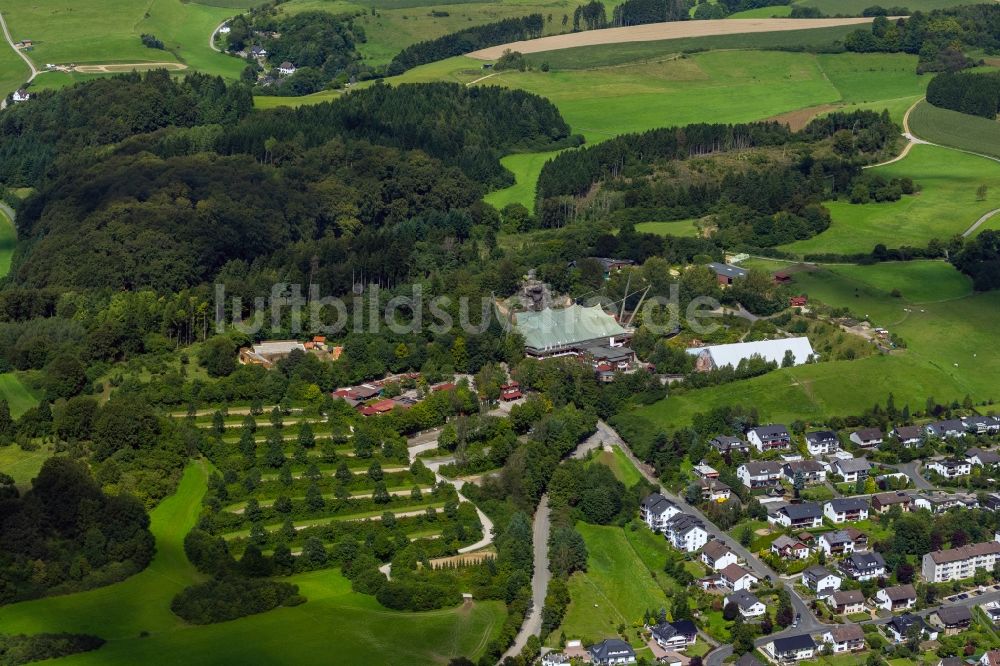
[[526, 167], [780, 11], [7, 239], [945, 327], [13, 71], [22, 465], [683, 228], [18, 396], [959, 130], [616, 588], [66, 32], [620, 465], [946, 205], [855, 7], [333, 621]]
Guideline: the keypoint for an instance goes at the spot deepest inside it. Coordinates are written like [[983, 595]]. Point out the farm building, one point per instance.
[[727, 274], [718, 356], [270, 352], [572, 330]]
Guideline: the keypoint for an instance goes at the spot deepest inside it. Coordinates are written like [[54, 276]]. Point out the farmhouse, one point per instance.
[[737, 578], [756, 475], [846, 602], [769, 437], [950, 469], [899, 597], [953, 619], [909, 436], [899, 627], [799, 516], [610, 652], [821, 580], [268, 353], [748, 603], [717, 555], [949, 429], [727, 443], [941, 566], [863, 566], [792, 648], [867, 438], [686, 533], [822, 442], [845, 510], [727, 274], [571, 330], [676, 635], [656, 510], [772, 351], [845, 638], [787, 547], [810, 471], [852, 469], [882, 502]]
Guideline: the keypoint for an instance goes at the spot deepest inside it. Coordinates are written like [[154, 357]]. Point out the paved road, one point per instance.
[[22, 54], [912, 470], [211, 38]]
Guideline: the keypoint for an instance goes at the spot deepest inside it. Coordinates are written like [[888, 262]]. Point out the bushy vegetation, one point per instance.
[[980, 260], [230, 598], [20, 649], [976, 94]]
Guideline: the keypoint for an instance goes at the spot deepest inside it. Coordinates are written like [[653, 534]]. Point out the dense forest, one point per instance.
[[980, 260], [466, 41], [974, 93]]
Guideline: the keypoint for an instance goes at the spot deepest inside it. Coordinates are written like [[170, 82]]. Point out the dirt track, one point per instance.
[[116, 68], [658, 31]]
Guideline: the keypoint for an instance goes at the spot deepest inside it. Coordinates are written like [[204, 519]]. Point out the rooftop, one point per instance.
[[566, 327], [769, 350]]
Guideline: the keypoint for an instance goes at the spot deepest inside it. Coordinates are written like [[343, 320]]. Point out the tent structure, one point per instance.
[[548, 332]]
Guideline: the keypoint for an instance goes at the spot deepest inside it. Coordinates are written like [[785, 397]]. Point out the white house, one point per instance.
[[737, 578], [787, 547], [286, 68], [909, 436], [821, 580], [900, 626], [675, 635], [611, 652], [800, 516], [847, 509], [792, 648], [845, 638], [822, 442], [656, 510], [851, 470], [941, 566], [717, 555], [810, 471], [846, 602], [867, 438], [747, 602], [21, 95], [685, 532], [769, 437], [949, 429], [863, 566], [756, 474], [982, 457], [838, 542], [950, 469], [898, 597]]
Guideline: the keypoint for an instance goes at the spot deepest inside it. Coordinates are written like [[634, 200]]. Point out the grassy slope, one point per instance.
[[22, 465], [946, 330], [18, 396], [333, 621], [673, 228], [616, 588], [763, 12], [71, 32], [946, 205], [13, 71], [960, 130], [526, 167], [7, 239]]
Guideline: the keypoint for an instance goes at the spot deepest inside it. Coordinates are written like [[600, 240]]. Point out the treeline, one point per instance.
[[82, 118], [466, 41], [220, 600], [980, 260], [938, 37], [21, 649], [976, 94], [65, 535], [636, 12]]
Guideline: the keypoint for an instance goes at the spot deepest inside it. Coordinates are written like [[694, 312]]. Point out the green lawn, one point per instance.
[[959, 130], [616, 588], [946, 355], [7, 239], [684, 228], [946, 204], [18, 396], [333, 621], [622, 467], [22, 465], [65, 31]]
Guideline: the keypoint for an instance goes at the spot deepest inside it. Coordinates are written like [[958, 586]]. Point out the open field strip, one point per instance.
[[661, 31], [403, 512], [955, 130], [8, 238], [363, 494]]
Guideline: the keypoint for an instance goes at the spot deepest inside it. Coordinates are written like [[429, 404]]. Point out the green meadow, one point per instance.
[[947, 330], [7, 239], [947, 204], [135, 617], [13, 73], [526, 167], [855, 7], [23, 465], [684, 228], [18, 396], [958, 130]]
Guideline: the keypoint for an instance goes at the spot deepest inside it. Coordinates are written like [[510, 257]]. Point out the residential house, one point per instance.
[[821, 580], [656, 510], [21, 95], [948, 429], [258, 52], [896, 598], [846, 602], [941, 566], [952, 619], [982, 425], [748, 603], [867, 438], [909, 436], [674, 635], [990, 658], [286, 68], [703, 471], [713, 490], [383, 406], [686, 533], [863, 566], [851, 470], [791, 548], [799, 516], [810, 471], [737, 578], [556, 659], [941, 503], [846, 510], [900, 627], [769, 437], [950, 469], [982, 457], [717, 555], [611, 651], [845, 638], [727, 444], [727, 274], [859, 537], [882, 502], [755, 475], [822, 442], [792, 648], [838, 542], [992, 502]]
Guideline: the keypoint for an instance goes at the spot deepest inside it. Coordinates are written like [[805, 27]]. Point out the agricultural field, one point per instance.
[[136, 619], [945, 328], [947, 204], [66, 32], [958, 130]]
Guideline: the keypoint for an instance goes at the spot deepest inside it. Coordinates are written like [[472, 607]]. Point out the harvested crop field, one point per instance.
[[661, 31]]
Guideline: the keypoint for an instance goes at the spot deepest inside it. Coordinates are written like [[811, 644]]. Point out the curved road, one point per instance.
[[211, 38], [24, 56]]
